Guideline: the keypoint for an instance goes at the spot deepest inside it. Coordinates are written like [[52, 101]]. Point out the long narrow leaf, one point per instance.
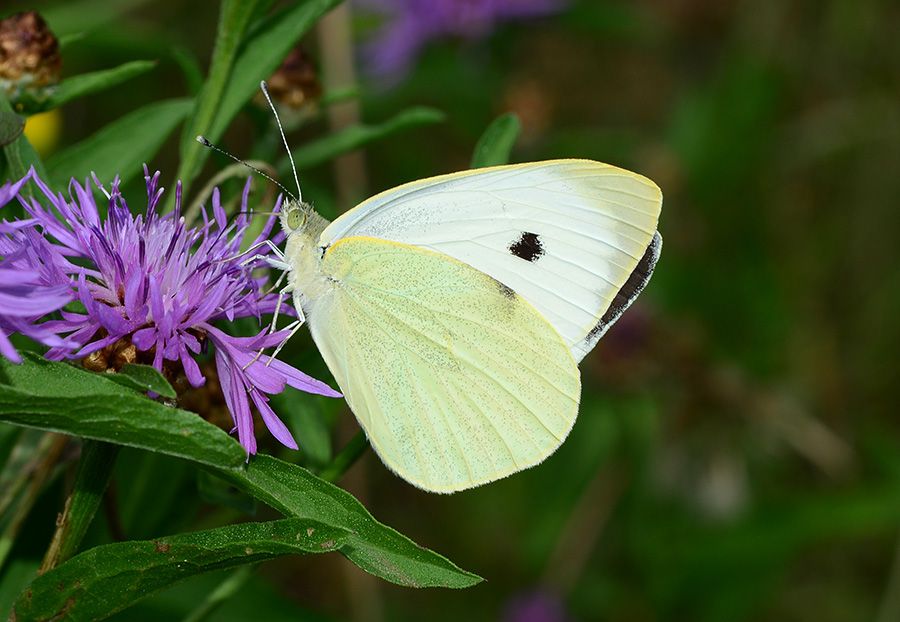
[[110, 578], [90, 405], [496, 143], [62, 398], [121, 147], [324, 149], [233, 21], [265, 48], [18, 156], [11, 127], [21, 156], [94, 82], [374, 547]]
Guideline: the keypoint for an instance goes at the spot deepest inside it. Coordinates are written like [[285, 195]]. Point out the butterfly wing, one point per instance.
[[455, 378], [575, 238]]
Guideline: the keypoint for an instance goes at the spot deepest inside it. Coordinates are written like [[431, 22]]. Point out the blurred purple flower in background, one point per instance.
[[150, 288], [410, 24], [535, 606]]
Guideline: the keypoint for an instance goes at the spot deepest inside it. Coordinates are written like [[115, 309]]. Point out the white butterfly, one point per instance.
[[453, 311]]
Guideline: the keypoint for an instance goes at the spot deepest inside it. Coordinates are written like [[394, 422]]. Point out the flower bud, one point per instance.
[[295, 87], [29, 55]]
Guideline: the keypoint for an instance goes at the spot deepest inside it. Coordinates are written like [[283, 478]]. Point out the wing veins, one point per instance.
[[424, 410], [373, 400], [435, 312]]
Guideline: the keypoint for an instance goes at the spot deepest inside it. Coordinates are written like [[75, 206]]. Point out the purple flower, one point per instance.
[[411, 24], [30, 284], [152, 286]]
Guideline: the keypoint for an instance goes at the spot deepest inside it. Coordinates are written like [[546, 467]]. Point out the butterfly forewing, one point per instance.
[[566, 235], [456, 379]]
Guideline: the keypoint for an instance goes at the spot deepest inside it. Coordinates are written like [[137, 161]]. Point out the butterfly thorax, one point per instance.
[[303, 226]]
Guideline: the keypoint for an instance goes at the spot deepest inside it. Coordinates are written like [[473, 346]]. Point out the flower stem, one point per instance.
[[233, 21], [91, 479], [346, 457]]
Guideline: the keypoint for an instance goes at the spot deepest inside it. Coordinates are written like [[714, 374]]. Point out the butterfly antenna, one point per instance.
[[265, 90], [206, 143]]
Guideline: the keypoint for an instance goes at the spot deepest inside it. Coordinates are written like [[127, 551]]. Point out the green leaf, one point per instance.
[[74, 17], [15, 577], [122, 146], [324, 149], [19, 156], [259, 599], [374, 547], [233, 584], [213, 490], [147, 509], [261, 54], [233, 20], [339, 95], [190, 66], [11, 127], [94, 82], [112, 577], [63, 398], [144, 378], [496, 143], [19, 448], [9, 436]]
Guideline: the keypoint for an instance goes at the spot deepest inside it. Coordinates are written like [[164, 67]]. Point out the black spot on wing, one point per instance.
[[636, 282], [527, 247]]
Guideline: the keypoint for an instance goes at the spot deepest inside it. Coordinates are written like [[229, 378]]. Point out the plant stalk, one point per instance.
[[92, 476]]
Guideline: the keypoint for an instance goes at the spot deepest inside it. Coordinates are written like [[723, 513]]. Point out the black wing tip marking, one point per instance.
[[528, 247], [633, 286]]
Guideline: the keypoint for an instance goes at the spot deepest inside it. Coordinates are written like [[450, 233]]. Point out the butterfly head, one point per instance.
[[303, 227], [300, 222], [294, 215]]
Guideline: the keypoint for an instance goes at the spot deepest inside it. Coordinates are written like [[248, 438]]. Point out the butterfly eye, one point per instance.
[[296, 219]]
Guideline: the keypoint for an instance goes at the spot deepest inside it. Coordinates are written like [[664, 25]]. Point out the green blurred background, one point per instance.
[[737, 453]]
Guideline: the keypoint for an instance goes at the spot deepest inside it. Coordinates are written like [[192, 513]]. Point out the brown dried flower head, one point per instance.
[[295, 86], [29, 53]]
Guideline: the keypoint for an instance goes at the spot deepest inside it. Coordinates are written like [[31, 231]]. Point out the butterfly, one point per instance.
[[453, 311]]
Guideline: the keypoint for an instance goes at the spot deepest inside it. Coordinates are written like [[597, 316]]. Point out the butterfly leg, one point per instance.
[[277, 262], [300, 317], [294, 327]]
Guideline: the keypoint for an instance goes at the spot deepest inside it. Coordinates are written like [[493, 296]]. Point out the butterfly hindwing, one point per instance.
[[456, 379], [575, 238]]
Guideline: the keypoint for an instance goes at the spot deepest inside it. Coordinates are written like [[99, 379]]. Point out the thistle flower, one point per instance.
[[294, 87], [31, 285], [151, 288], [412, 24]]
